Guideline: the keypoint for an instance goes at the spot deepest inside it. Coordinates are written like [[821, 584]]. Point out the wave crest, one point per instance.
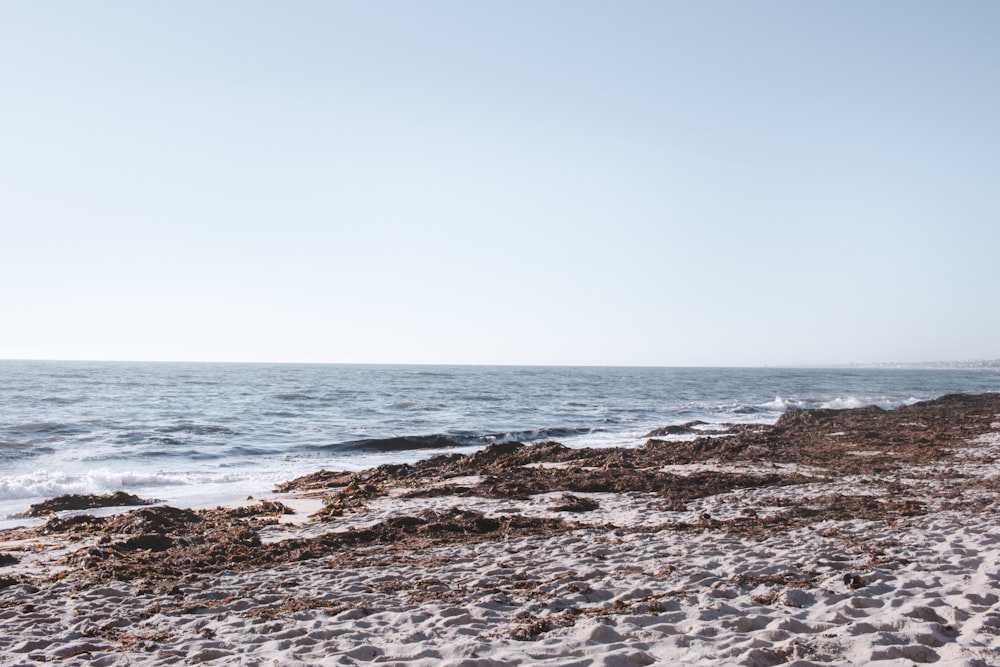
[[46, 484]]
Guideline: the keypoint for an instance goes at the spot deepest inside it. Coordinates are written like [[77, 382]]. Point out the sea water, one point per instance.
[[196, 434]]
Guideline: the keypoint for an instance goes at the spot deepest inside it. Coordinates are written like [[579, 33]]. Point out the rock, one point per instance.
[[676, 429], [571, 503], [75, 501], [149, 541]]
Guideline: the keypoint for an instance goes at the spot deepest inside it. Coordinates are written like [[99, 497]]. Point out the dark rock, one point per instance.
[[7, 559], [75, 501], [404, 443], [148, 541], [676, 429]]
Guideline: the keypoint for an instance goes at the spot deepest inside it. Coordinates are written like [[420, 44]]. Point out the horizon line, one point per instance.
[[989, 363]]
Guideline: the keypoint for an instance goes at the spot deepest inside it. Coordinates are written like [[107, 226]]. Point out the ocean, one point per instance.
[[194, 434]]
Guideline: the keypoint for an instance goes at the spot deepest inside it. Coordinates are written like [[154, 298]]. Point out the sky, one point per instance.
[[562, 182]]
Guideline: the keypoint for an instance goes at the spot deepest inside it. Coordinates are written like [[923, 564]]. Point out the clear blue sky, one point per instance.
[[559, 182]]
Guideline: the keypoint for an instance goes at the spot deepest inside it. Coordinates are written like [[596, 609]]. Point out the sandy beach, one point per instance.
[[834, 537]]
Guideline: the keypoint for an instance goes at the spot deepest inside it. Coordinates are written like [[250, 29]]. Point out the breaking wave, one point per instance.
[[47, 484], [780, 404]]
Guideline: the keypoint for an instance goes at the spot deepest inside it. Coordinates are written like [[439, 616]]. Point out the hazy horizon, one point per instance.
[[925, 365]]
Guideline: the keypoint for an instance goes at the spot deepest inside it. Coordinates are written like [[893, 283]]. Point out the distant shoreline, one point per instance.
[[986, 364]]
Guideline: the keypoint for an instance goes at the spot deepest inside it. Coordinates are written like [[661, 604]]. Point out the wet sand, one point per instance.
[[832, 537]]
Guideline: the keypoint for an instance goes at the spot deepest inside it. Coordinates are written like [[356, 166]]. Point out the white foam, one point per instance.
[[99, 480], [782, 404], [843, 403], [779, 404], [181, 488]]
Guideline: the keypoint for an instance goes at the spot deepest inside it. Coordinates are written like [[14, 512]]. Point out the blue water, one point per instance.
[[203, 433]]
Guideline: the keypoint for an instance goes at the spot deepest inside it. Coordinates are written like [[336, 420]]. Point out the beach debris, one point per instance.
[[263, 508], [188, 585], [571, 503], [148, 541], [321, 479], [162, 542], [691, 427], [530, 630], [74, 501], [76, 523]]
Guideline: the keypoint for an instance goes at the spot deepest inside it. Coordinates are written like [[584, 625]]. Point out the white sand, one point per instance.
[[929, 591]]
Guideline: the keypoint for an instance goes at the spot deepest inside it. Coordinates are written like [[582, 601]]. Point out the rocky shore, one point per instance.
[[832, 537]]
